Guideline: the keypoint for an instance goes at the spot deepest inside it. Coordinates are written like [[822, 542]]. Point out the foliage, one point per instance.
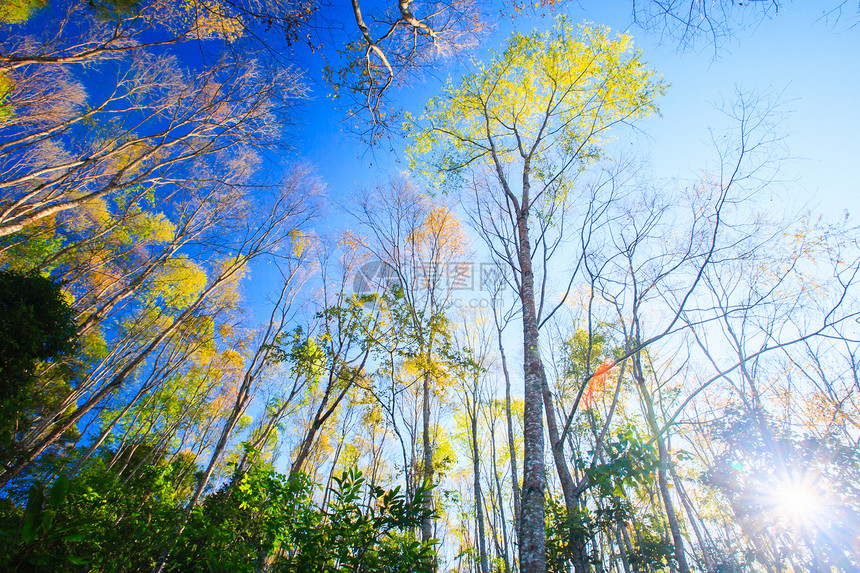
[[98, 521], [243, 523], [37, 324], [18, 11], [547, 100], [37, 330], [562, 533], [629, 461], [650, 550], [101, 522], [356, 534]]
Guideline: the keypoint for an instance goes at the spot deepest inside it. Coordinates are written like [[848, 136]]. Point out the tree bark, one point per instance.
[[532, 532], [568, 486], [427, 521], [479, 509]]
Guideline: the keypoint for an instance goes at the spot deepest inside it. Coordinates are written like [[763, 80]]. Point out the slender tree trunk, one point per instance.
[[568, 487], [306, 445], [623, 546], [671, 516], [479, 509], [119, 449], [688, 508], [503, 521], [427, 521], [332, 470], [108, 429], [515, 482], [322, 415], [532, 533], [643, 558]]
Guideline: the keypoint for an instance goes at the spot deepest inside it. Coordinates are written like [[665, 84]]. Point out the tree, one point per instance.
[[526, 125], [689, 21], [657, 269], [419, 243], [253, 235], [37, 325], [470, 384], [82, 151], [392, 47]]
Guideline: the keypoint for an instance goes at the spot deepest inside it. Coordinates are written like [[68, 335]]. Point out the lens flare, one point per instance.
[[796, 502]]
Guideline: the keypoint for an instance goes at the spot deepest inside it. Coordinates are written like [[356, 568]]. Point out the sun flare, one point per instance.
[[796, 501]]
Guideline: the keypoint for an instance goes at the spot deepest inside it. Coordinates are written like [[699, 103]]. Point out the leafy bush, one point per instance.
[[260, 520]]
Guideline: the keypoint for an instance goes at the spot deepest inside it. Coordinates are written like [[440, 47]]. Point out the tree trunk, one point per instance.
[[671, 517], [323, 414], [623, 546], [106, 432], [427, 521], [568, 487], [502, 519], [532, 532], [479, 509], [688, 508], [515, 483]]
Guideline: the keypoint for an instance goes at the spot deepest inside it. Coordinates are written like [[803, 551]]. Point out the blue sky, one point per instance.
[[811, 64]]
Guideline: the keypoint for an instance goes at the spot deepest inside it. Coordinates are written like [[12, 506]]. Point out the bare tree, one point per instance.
[[419, 246], [394, 44], [156, 128]]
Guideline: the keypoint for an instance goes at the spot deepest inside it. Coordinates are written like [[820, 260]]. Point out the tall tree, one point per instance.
[[253, 235], [420, 247], [528, 123]]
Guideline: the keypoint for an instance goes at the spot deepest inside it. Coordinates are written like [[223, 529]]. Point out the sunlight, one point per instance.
[[796, 501]]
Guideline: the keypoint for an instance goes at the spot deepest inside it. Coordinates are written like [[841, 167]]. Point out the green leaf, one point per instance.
[[59, 490]]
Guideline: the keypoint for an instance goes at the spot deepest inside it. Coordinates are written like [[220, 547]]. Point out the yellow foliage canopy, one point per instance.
[[545, 103], [18, 11], [179, 283], [202, 19], [440, 234]]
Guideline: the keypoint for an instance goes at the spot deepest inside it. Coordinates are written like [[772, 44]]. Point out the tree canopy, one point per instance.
[[519, 348]]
